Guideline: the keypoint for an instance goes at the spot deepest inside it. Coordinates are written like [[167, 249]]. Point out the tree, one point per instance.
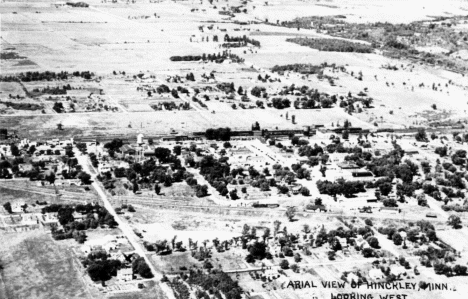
[[454, 221], [7, 207], [385, 188], [390, 202], [250, 259], [168, 181], [284, 264], [345, 135], [373, 242], [459, 270], [368, 222], [97, 272], [295, 140], [139, 266], [290, 213], [305, 191], [50, 177], [318, 201], [258, 250], [233, 194], [157, 189], [162, 154], [276, 227], [84, 177], [295, 267], [367, 252], [177, 150], [14, 150], [421, 135]]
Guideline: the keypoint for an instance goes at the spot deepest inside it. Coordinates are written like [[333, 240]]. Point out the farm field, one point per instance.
[[66, 38]]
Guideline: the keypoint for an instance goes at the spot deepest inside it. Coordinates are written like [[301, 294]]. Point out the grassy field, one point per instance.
[[35, 266], [173, 262]]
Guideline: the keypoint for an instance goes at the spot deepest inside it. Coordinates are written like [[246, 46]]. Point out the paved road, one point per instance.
[[84, 161]]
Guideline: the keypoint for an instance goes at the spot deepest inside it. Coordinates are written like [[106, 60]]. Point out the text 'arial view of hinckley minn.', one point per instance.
[[234, 149]]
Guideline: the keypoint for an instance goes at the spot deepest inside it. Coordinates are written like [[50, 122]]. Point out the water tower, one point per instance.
[[140, 139]]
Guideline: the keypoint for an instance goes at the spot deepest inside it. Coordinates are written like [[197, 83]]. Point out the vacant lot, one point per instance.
[[173, 262], [35, 266]]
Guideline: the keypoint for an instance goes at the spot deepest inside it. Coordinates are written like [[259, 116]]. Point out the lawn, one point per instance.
[[35, 266], [173, 262]]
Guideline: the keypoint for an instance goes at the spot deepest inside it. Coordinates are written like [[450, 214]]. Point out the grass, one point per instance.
[[35, 266], [13, 196], [174, 261], [178, 189], [151, 290]]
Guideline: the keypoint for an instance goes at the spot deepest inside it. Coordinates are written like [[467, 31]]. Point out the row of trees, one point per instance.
[[46, 76], [341, 186], [219, 58], [223, 134]]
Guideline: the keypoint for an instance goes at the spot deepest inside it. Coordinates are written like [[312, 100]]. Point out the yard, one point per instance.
[[173, 262], [35, 266]]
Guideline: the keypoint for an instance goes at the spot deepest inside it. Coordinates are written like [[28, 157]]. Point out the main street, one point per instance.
[[84, 161]]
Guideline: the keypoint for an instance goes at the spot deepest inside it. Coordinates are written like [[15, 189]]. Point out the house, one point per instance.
[[347, 165], [352, 278], [49, 219], [376, 274], [78, 216], [29, 219], [296, 189], [25, 167], [18, 207], [397, 270], [343, 242], [362, 173], [127, 149], [303, 160], [125, 274], [360, 242], [118, 256], [75, 182], [104, 167], [391, 210]]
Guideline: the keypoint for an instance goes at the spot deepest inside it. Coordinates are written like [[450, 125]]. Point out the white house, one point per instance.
[[376, 274], [397, 270], [125, 274]]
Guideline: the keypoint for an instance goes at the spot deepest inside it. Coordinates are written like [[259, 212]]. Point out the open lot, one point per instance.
[[35, 266]]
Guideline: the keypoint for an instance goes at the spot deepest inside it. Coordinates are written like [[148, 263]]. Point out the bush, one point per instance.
[[284, 264]]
